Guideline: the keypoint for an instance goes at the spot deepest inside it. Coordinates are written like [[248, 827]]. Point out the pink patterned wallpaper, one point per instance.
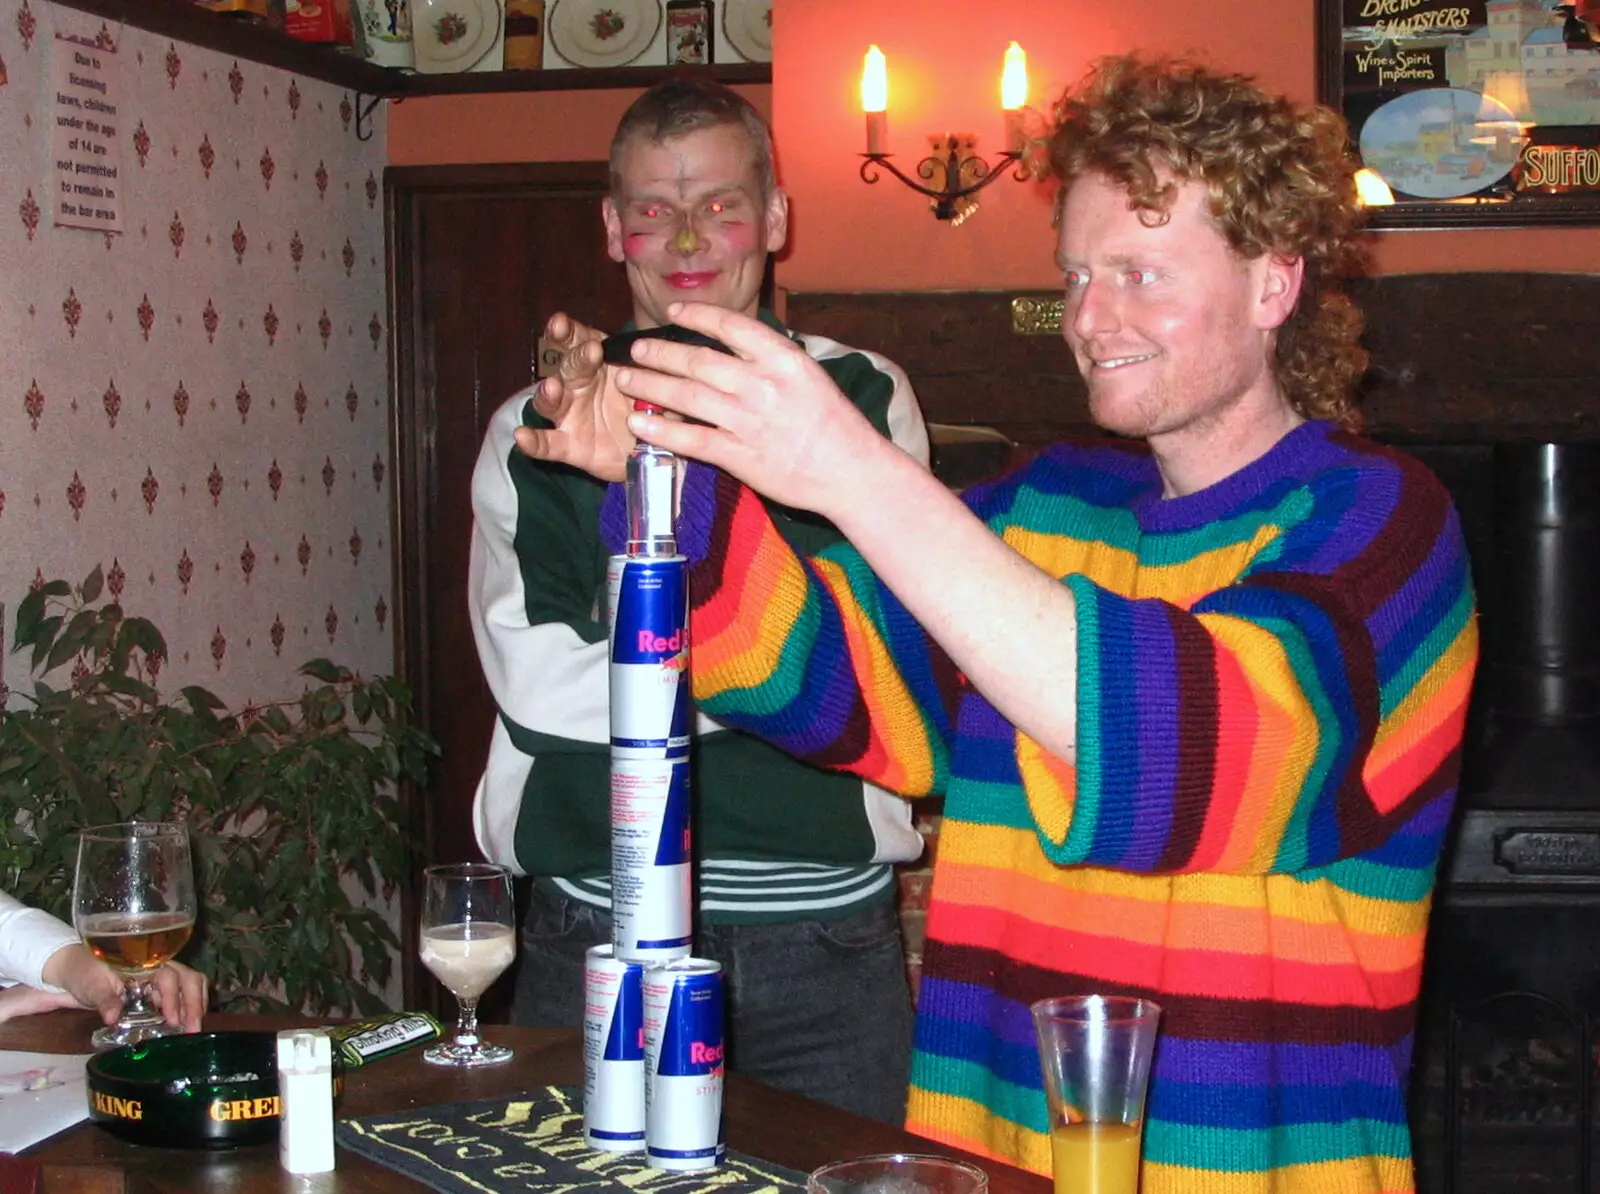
[[200, 404]]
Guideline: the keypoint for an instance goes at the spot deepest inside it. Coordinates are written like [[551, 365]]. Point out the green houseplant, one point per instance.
[[296, 825]]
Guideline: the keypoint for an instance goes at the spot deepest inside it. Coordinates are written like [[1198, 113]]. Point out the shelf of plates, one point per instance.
[[578, 79], [184, 21]]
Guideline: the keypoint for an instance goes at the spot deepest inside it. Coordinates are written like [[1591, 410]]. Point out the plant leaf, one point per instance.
[[128, 686], [201, 700], [29, 611], [325, 670], [44, 635]]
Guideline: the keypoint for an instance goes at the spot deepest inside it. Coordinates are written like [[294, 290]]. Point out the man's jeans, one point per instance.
[[817, 1007]]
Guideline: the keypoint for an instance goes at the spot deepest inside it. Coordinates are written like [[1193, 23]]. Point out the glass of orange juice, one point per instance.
[[1094, 1051]]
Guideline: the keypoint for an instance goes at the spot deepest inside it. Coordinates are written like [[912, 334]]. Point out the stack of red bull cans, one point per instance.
[[653, 1015]]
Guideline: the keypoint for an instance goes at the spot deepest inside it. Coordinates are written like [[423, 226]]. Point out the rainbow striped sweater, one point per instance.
[[1273, 682]]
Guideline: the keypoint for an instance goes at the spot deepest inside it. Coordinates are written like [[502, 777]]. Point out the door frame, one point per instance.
[[413, 385]]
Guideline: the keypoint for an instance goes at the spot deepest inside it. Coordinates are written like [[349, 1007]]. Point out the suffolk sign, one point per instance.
[[1559, 169]]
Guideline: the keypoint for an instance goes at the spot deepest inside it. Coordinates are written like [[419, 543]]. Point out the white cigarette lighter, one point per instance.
[[305, 1085]]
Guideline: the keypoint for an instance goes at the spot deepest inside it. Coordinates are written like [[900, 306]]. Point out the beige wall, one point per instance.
[[230, 471]]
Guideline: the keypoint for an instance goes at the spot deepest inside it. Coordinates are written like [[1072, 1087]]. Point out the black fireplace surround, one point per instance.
[[1504, 1069]]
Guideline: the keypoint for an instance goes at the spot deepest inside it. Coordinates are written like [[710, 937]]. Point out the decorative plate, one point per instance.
[[603, 32], [1441, 142], [747, 24], [453, 35]]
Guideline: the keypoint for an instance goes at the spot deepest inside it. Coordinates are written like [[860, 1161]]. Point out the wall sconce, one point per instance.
[[953, 166]]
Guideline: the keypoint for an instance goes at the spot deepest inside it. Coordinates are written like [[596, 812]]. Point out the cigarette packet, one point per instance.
[[367, 1040]]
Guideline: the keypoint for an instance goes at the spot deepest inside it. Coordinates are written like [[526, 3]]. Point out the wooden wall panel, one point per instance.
[[1469, 358]]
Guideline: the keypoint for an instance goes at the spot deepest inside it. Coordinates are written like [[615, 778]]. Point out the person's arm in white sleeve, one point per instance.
[[28, 936], [44, 966]]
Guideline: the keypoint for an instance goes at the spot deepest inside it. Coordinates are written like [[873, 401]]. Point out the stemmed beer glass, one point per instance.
[[133, 904], [469, 937]]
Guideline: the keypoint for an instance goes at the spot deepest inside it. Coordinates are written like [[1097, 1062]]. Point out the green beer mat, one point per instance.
[[534, 1141]]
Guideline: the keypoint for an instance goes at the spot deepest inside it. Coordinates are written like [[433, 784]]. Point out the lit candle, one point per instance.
[[1371, 190], [875, 99], [1014, 94]]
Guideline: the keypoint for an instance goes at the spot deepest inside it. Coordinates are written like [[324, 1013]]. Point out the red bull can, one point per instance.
[[613, 1052], [649, 604], [683, 1056], [651, 898]]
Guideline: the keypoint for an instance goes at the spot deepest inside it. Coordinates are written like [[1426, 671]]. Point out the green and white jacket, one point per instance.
[[775, 839]]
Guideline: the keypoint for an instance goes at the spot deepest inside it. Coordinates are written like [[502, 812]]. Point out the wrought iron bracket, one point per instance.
[[365, 106], [963, 176]]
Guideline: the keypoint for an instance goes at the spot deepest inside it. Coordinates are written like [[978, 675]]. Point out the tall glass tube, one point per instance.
[[652, 488]]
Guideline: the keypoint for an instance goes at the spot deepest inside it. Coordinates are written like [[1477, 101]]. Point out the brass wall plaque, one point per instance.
[[1036, 316], [1548, 852]]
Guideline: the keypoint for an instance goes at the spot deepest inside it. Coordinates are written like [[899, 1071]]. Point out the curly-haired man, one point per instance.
[[1195, 703]]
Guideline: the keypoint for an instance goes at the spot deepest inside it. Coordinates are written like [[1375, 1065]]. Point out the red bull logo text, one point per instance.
[[701, 1053], [652, 643]]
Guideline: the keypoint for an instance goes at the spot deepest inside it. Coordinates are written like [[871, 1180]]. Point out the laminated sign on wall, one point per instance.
[[85, 136]]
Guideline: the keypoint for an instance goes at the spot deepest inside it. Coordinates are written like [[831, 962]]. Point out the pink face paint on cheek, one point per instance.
[[741, 238], [635, 245]]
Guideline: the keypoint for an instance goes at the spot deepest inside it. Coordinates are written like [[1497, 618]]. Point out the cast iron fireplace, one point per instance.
[[1503, 1086]]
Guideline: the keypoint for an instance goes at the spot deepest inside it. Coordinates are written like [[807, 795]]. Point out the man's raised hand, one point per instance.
[[590, 414]]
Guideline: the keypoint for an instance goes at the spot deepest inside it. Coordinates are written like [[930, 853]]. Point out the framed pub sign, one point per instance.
[[1476, 113]]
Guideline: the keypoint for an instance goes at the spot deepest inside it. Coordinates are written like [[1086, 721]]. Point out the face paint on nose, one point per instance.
[[686, 240]]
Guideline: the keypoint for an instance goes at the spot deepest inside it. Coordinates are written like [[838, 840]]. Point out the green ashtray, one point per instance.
[[198, 1090]]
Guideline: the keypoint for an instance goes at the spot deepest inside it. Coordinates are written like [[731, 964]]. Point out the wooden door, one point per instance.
[[480, 258]]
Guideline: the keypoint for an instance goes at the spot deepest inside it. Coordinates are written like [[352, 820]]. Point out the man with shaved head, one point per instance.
[[794, 883]]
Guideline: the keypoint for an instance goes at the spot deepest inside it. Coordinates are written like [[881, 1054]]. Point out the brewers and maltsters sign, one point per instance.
[[1475, 112]]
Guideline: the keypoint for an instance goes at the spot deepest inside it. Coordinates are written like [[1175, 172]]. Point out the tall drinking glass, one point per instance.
[[469, 937], [133, 905], [1095, 1051]]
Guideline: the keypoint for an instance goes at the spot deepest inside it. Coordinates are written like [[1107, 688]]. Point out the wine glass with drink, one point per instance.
[[133, 905], [469, 937]]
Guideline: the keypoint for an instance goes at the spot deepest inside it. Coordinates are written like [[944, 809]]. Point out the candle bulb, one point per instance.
[[1371, 190], [877, 132], [875, 99], [1014, 94]]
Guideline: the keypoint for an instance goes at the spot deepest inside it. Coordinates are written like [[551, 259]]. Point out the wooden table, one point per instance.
[[761, 1121]]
